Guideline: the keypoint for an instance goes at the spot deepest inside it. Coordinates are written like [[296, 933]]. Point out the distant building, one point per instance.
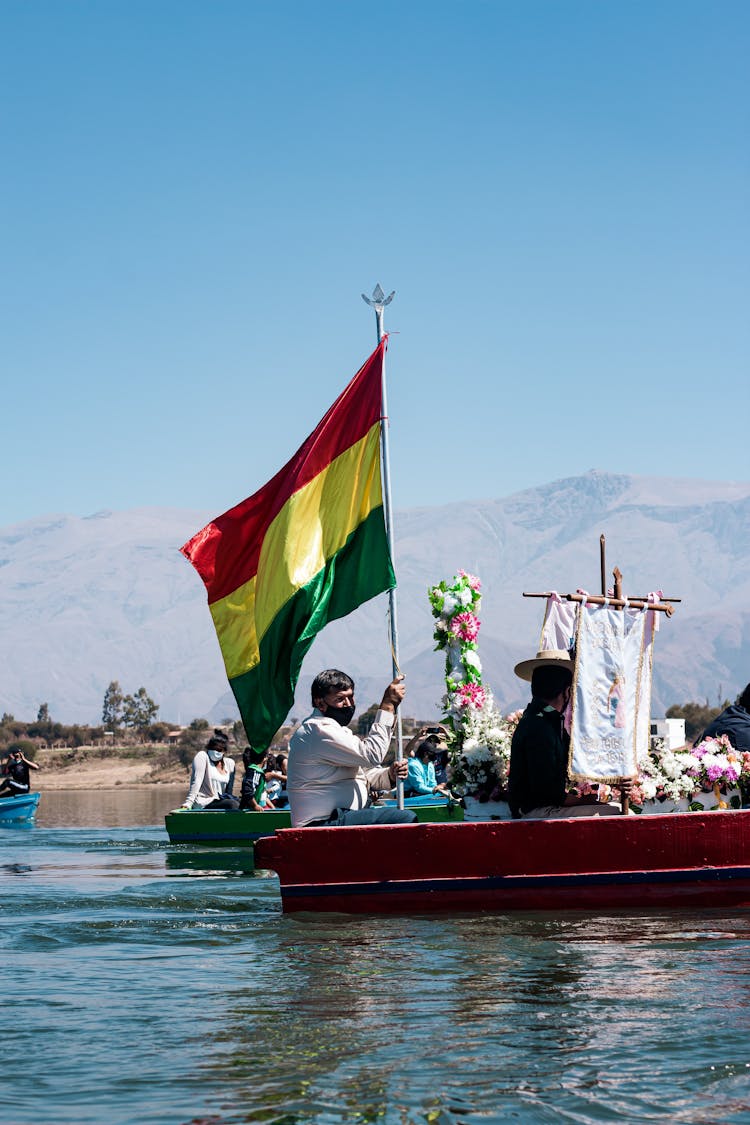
[[671, 730]]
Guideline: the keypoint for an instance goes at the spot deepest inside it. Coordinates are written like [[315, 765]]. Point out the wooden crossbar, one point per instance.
[[665, 606]]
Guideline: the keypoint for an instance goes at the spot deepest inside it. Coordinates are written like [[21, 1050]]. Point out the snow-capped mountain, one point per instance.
[[109, 597]]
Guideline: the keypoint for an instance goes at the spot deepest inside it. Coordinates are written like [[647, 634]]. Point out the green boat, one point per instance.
[[235, 828]]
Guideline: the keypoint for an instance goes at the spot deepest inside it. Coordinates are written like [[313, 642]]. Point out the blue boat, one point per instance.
[[17, 810]]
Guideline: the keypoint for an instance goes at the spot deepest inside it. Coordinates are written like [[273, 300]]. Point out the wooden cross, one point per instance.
[[666, 605]]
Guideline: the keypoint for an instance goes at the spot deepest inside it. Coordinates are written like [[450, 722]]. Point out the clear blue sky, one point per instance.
[[194, 195]]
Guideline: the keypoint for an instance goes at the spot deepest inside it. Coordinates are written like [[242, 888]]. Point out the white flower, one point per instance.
[[471, 660], [648, 785], [450, 605], [674, 790]]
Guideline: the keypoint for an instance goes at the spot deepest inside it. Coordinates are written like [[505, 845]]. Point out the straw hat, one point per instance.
[[550, 657]]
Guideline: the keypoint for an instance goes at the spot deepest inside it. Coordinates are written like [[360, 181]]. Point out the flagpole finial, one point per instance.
[[378, 301]]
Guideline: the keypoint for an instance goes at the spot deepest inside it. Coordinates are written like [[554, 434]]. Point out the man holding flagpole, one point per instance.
[[331, 771]]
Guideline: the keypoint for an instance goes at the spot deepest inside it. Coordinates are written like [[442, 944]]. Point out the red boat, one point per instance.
[[586, 863]]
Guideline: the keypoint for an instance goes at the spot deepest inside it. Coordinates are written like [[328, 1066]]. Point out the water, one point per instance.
[[146, 984]]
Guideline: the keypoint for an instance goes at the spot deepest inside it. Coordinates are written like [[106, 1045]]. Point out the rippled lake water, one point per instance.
[[146, 983]]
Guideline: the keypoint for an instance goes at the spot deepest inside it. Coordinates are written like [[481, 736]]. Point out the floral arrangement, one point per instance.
[[480, 750], [671, 775], [480, 766], [717, 763], [664, 774]]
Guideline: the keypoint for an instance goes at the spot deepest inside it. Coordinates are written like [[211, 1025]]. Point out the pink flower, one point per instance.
[[637, 796], [471, 695], [471, 579], [465, 626]]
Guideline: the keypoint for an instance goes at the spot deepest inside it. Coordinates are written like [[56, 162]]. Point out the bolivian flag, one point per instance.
[[308, 548]]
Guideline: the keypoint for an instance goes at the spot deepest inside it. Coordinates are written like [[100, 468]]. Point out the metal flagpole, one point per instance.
[[378, 302]]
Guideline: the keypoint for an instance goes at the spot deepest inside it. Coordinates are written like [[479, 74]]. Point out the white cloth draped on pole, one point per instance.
[[559, 625], [559, 632], [611, 692]]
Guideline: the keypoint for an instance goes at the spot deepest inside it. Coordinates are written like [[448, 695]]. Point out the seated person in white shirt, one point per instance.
[[212, 777], [331, 770]]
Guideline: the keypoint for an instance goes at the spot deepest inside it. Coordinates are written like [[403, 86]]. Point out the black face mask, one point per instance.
[[342, 715]]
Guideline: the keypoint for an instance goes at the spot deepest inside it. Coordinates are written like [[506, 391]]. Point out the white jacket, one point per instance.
[[206, 782], [330, 767]]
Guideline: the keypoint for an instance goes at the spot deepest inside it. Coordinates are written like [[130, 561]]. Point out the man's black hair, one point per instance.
[[252, 757], [744, 698], [427, 748], [330, 680], [548, 681]]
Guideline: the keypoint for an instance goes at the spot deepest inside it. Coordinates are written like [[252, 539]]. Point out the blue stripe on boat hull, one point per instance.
[[217, 838], [516, 882]]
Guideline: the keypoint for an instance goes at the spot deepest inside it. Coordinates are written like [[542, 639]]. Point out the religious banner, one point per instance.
[[611, 692], [559, 625], [643, 714]]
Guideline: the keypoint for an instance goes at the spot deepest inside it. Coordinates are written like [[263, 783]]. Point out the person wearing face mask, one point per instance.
[[330, 770], [421, 780], [538, 779], [212, 777]]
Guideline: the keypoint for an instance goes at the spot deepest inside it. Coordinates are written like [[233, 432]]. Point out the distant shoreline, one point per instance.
[[128, 769]]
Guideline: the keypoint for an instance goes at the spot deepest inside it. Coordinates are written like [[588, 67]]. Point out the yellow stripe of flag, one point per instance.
[[312, 526]]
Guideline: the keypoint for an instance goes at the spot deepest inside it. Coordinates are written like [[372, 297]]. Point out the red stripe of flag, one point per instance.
[[225, 552]]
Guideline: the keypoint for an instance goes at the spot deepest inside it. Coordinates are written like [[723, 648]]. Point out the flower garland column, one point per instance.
[[480, 749]]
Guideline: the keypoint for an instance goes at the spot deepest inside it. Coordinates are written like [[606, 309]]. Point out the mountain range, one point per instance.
[[87, 600]]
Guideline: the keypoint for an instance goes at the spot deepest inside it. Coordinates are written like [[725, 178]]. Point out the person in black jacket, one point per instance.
[[16, 780], [538, 780], [734, 722]]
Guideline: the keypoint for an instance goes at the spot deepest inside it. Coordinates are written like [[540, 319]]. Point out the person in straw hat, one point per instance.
[[538, 781]]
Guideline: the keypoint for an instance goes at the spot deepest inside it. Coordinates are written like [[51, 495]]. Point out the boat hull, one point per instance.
[[233, 828], [18, 810], [590, 864], [229, 828]]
